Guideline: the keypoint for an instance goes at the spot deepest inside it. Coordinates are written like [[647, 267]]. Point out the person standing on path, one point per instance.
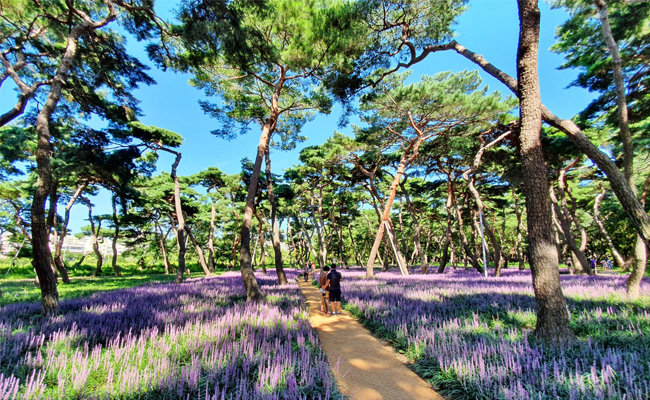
[[333, 284], [323, 292], [307, 268]]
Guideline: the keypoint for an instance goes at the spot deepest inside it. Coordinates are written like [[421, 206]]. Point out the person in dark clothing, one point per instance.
[[306, 274], [323, 281], [333, 284]]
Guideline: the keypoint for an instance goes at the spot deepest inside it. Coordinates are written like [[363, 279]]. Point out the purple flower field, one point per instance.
[[198, 340], [471, 336]]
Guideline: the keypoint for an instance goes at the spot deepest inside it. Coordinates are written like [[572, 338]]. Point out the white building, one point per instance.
[[72, 244]]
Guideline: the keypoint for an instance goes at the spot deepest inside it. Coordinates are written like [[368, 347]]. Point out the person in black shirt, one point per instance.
[[333, 284]]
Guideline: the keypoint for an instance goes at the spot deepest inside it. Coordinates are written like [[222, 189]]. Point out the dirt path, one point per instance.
[[365, 369]]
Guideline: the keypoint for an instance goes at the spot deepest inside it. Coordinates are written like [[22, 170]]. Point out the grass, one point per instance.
[[18, 285]]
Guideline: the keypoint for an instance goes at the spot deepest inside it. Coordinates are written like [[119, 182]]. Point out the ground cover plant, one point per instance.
[[165, 341], [470, 336]]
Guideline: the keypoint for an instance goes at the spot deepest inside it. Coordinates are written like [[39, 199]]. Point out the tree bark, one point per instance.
[[213, 214], [161, 244], [116, 235], [615, 253], [96, 233], [552, 316], [569, 239], [640, 253], [417, 241], [277, 250], [199, 251], [623, 190], [180, 219]]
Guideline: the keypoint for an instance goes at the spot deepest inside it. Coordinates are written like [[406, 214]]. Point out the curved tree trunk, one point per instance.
[[640, 251], [552, 316]]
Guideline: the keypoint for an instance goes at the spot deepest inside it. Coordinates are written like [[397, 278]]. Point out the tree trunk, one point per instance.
[[386, 216], [552, 315], [253, 292], [519, 245], [199, 251], [322, 246], [615, 253], [277, 250], [161, 245], [417, 242], [569, 239], [95, 232], [448, 238], [213, 213], [180, 218], [116, 235], [58, 259], [260, 238], [640, 253]]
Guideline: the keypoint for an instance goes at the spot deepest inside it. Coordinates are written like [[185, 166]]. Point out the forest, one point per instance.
[[500, 248]]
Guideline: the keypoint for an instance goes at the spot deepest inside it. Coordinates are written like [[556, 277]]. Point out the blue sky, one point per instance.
[[488, 27]]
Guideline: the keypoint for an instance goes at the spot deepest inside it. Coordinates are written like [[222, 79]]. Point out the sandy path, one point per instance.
[[365, 369]]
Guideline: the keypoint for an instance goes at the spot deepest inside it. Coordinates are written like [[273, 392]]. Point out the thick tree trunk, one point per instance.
[[620, 186], [277, 250], [552, 315], [253, 292], [116, 235]]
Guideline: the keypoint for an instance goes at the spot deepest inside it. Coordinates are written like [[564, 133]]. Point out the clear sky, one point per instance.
[[488, 27]]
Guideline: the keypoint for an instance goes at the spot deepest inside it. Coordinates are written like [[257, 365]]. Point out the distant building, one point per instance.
[[72, 244]]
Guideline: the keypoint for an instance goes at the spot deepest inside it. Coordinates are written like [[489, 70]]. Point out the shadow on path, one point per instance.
[[364, 368]]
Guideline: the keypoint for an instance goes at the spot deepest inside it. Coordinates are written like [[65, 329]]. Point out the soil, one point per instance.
[[365, 368]]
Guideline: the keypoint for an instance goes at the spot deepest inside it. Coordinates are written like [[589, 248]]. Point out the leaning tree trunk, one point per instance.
[[58, 258], [520, 241], [615, 253], [417, 229], [116, 235], [199, 251], [404, 162], [552, 316], [253, 292], [277, 250], [569, 239]]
